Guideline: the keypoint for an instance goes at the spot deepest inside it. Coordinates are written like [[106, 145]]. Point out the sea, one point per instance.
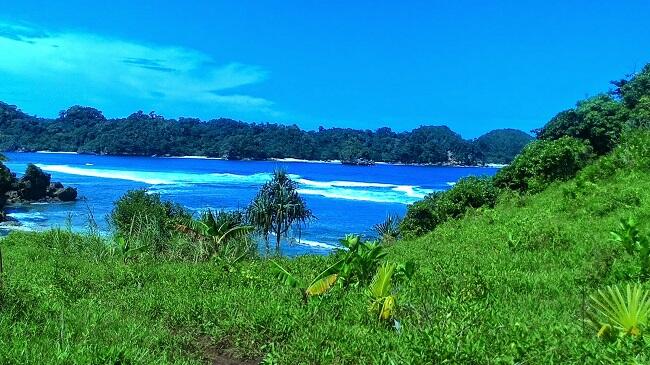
[[345, 199]]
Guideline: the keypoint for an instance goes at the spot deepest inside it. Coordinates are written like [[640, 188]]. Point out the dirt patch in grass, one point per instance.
[[219, 352]]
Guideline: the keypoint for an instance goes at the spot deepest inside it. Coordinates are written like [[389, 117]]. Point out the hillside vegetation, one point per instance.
[[546, 263], [502, 285], [86, 130]]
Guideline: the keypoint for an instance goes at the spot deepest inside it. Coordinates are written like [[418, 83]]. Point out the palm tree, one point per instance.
[[277, 207]]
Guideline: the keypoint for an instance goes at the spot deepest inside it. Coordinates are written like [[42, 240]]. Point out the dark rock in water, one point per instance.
[[54, 186], [12, 196], [9, 221], [7, 179], [34, 184], [64, 194]]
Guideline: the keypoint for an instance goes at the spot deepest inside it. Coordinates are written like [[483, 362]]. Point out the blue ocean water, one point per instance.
[[345, 199]]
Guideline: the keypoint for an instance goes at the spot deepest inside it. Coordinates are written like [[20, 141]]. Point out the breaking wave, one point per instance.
[[178, 182]]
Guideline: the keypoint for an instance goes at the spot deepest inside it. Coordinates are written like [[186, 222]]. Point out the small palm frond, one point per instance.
[[611, 310]]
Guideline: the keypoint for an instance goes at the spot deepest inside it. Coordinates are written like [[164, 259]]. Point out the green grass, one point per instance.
[[506, 286]]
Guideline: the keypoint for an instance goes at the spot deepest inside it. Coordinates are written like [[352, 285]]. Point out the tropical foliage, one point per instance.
[[319, 285], [227, 233], [615, 314], [278, 207], [636, 244], [388, 231], [86, 130], [439, 207], [359, 259], [543, 162]]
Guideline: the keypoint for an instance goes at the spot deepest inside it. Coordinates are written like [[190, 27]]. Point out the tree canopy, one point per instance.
[[86, 130]]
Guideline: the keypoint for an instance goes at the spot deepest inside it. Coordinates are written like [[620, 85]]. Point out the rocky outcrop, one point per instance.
[[57, 191], [34, 186]]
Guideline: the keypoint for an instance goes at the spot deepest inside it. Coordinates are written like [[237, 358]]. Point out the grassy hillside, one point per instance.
[[503, 285]]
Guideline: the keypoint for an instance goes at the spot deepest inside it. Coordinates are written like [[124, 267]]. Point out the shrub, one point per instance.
[[142, 216], [544, 162], [599, 121], [468, 193], [629, 236]]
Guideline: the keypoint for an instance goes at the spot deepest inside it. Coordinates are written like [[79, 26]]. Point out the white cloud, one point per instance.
[[42, 71]]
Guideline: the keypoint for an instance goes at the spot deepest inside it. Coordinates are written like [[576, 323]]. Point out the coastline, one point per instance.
[[284, 160]]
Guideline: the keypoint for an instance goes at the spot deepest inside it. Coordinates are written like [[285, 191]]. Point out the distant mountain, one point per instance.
[[86, 130], [500, 145]]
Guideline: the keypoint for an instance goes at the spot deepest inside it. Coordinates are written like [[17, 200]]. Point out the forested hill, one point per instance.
[[86, 130]]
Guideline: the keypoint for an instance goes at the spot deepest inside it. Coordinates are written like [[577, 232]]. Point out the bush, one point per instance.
[[139, 215], [633, 153], [600, 121], [543, 162], [468, 193]]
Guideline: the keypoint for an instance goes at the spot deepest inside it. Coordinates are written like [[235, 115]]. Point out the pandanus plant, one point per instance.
[[388, 231], [278, 207], [614, 313]]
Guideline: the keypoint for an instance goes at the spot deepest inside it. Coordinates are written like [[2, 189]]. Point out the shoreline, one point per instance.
[[284, 160]]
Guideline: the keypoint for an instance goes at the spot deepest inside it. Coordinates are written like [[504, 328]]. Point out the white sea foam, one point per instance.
[[159, 178], [58, 152], [21, 228], [349, 184], [316, 244], [138, 176], [29, 216], [178, 182], [290, 159]]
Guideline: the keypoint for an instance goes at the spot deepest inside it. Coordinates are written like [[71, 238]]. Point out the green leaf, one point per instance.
[[325, 280], [286, 277], [322, 285], [381, 285]]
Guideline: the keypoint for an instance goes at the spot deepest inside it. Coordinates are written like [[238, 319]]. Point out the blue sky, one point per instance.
[[470, 65]]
